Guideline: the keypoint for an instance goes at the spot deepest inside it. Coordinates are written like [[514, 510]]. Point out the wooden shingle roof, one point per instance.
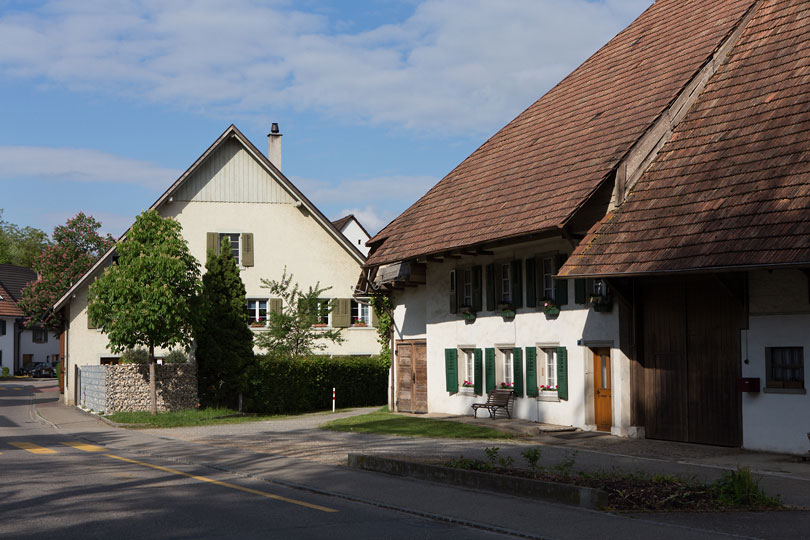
[[540, 168], [731, 189]]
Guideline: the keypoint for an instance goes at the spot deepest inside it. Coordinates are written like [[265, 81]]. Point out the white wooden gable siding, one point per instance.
[[231, 174]]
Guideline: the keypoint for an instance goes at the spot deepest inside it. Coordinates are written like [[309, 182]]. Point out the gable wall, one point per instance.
[[7, 345], [283, 235]]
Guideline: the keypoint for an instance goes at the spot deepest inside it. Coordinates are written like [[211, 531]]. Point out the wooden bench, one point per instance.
[[498, 398]]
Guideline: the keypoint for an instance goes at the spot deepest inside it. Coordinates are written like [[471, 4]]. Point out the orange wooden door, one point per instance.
[[603, 412]]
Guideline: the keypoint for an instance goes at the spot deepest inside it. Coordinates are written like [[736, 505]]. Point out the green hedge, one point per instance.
[[282, 385]]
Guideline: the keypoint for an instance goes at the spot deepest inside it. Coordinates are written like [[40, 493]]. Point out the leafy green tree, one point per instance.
[[148, 298], [224, 341], [76, 246], [20, 245], [293, 332]]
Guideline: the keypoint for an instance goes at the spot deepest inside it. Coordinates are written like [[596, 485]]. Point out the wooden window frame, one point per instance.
[[772, 382], [237, 250], [357, 317], [253, 313]]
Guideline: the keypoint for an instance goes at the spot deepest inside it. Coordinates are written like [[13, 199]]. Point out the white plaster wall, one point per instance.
[[774, 421], [40, 351], [356, 235], [7, 345], [423, 312]]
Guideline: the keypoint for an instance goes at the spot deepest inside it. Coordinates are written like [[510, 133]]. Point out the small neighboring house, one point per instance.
[[20, 346], [352, 229], [668, 175], [233, 191]]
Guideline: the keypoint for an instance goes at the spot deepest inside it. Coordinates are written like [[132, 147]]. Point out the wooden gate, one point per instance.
[[691, 358], [411, 376]]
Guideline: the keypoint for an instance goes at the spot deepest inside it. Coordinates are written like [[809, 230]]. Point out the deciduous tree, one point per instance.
[[148, 297], [76, 246], [293, 331]]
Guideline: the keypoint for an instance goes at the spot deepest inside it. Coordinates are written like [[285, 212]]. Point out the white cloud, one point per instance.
[[452, 67], [371, 217], [81, 165]]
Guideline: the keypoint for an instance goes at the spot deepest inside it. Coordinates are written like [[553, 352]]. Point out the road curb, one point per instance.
[[583, 497]]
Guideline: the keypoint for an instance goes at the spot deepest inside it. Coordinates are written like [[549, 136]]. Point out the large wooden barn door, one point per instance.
[[411, 376], [691, 358]]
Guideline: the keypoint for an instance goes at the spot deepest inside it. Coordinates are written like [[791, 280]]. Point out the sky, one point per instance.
[[103, 104]]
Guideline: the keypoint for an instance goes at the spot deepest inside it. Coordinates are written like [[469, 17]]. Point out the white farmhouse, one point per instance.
[[632, 252], [234, 191]]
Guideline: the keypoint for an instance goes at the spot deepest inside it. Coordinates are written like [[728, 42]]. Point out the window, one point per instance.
[[546, 280], [466, 287], [257, 312], [361, 314], [507, 368], [468, 373], [505, 288], [784, 367], [39, 335], [550, 369], [322, 314], [233, 238], [2, 328]]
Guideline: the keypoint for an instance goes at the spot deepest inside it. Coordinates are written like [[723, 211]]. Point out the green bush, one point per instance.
[[283, 385], [741, 488], [177, 356], [6, 371], [135, 356]]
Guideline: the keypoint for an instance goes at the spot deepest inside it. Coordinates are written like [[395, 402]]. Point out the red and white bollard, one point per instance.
[[333, 400]]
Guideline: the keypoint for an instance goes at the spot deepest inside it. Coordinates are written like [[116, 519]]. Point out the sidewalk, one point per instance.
[[506, 514]]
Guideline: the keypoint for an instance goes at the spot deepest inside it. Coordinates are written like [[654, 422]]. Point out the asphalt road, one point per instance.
[[55, 485]]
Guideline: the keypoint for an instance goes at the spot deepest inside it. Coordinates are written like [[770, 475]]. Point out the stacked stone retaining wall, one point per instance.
[[125, 387]]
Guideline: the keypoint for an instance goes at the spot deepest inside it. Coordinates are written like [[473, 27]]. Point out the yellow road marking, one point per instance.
[[224, 484], [84, 446], [33, 448]]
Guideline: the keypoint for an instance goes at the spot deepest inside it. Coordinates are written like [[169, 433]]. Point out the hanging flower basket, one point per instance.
[[468, 316], [601, 304]]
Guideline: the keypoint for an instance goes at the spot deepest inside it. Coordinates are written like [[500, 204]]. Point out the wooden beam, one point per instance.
[[434, 258], [484, 252]]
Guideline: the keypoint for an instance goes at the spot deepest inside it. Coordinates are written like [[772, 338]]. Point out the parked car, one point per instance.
[[42, 369]]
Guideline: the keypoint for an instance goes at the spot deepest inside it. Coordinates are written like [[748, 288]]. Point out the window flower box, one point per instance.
[[359, 324], [468, 316], [547, 388], [601, 303], [258, 324], [550, 308], [467, 384], [507, 386]]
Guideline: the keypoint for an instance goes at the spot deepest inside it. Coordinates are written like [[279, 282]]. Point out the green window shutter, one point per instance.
[[531, 371], [562, 373], [341, 312], [212, 242], [516, 283], [517, 370], [247, 249], [451, 369], [560, 285], [580, 296], [454, 291], [44, 335], [478, 382], [531, 282], [477, 286], [2, 328], [274, 306], [490, 287], [489, 365]]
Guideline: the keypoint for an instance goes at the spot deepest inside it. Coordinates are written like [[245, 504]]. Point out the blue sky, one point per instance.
[[104, 104]]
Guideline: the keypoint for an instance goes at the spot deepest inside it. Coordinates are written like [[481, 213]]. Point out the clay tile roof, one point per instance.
[[531, 175], [15, 278], [732, 186], [8, 307], [340, 223]]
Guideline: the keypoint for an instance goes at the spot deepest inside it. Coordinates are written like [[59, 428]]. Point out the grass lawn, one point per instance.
[[190, 418], [387, 423]]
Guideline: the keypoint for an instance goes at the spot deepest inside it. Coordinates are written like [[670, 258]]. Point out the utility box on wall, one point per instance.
[[748, 384]]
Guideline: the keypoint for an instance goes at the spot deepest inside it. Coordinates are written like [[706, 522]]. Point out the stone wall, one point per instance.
[[93, 388], [128, 387], [125, 387]]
